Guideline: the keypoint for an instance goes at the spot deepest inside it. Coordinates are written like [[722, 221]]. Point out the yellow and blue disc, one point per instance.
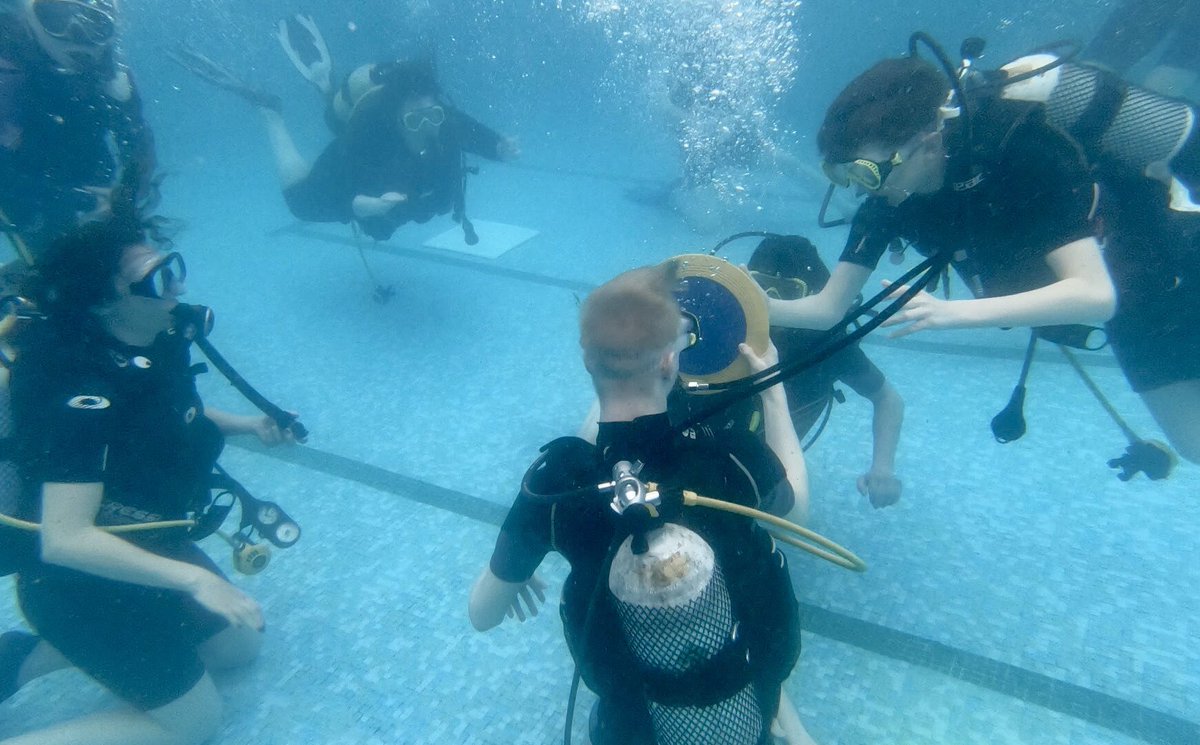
[[730, 310]]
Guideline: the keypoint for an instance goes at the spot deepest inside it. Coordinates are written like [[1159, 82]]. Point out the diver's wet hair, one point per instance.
[[628, 322], [404, 78], [886, 105], [790, 256], [76, 274]]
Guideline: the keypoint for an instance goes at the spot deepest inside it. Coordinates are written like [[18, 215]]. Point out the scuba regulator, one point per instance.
[[259, 519]]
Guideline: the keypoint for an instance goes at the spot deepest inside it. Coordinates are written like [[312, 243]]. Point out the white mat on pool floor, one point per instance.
[[495, 238]]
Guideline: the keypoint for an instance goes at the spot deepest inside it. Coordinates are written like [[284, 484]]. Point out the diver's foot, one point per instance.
[[15, 647], [469, 234], [220, 76], [384, 293]]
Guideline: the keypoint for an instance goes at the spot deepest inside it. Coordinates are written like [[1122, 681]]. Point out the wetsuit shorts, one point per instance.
[[1153, 255], [139, 642]]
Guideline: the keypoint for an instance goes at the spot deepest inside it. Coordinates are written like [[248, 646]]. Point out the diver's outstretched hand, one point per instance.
[[535, 587], [508, 149], [305, 47], [922, 312], [198, 64], [269, 433]]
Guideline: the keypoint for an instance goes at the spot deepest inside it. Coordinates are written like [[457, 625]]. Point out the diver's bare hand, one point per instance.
[[269, 432], [228, 602], [508, 148], [758, 363], [883, 489], [534, 588]]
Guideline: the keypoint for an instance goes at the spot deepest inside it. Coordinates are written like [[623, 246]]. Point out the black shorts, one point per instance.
[[138, 642], [809, 392], [1153, 255]]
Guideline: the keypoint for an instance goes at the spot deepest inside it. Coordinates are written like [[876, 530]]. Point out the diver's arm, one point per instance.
[[880, 483], [826, 308], [781, 434], [71, 539], [261, 426], [480, 139], [787, 725], [368, 206], [492, 599], [1083, 293]]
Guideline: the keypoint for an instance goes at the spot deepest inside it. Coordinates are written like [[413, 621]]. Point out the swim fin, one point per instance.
[[220, 76], [305, 47]]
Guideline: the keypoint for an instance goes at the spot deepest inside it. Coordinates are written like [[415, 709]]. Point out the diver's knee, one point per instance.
[[233, 647], [193, 718]]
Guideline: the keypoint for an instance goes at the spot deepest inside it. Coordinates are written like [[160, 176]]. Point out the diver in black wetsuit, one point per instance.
[[789, 267], [110, 431], [1136, 28], [1022, 231], [398, 152], [70, 120], [630, 330]]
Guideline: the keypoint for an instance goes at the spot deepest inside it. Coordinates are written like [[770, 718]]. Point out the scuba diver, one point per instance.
[[788, 267], [997, 175], [71, 122], [682, 621], [399, 147], [117, 452], [1138, 27]]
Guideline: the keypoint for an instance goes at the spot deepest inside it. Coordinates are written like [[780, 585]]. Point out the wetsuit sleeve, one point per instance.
[[475, 137], [523, 542], [70, 440], [871, 231], [768, 479]]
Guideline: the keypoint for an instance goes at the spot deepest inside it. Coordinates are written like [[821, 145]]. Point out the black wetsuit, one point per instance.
[[1137, 27], [809, 392], [74, 134], [128, 418], [1040, 193], [371, 158], [730, 466]]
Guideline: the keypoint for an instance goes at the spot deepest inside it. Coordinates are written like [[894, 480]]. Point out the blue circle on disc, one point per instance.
[[722, 326]]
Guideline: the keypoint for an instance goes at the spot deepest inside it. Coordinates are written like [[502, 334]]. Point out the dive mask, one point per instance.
[[869, 174], [78, 21], [780, 287], [166, 274], [415, 120]]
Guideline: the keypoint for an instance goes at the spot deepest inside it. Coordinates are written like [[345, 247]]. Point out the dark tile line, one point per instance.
[[478, 265], [1126, 717]]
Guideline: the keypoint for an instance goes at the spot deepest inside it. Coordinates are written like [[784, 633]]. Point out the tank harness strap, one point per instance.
[[717, 680], [1097, 117]]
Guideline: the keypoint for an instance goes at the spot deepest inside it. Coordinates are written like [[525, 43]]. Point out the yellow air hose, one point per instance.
[[835, 553], [13, 522]]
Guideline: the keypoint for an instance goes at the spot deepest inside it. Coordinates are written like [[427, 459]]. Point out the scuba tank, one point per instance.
[[677, 618], [1107, 116]]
